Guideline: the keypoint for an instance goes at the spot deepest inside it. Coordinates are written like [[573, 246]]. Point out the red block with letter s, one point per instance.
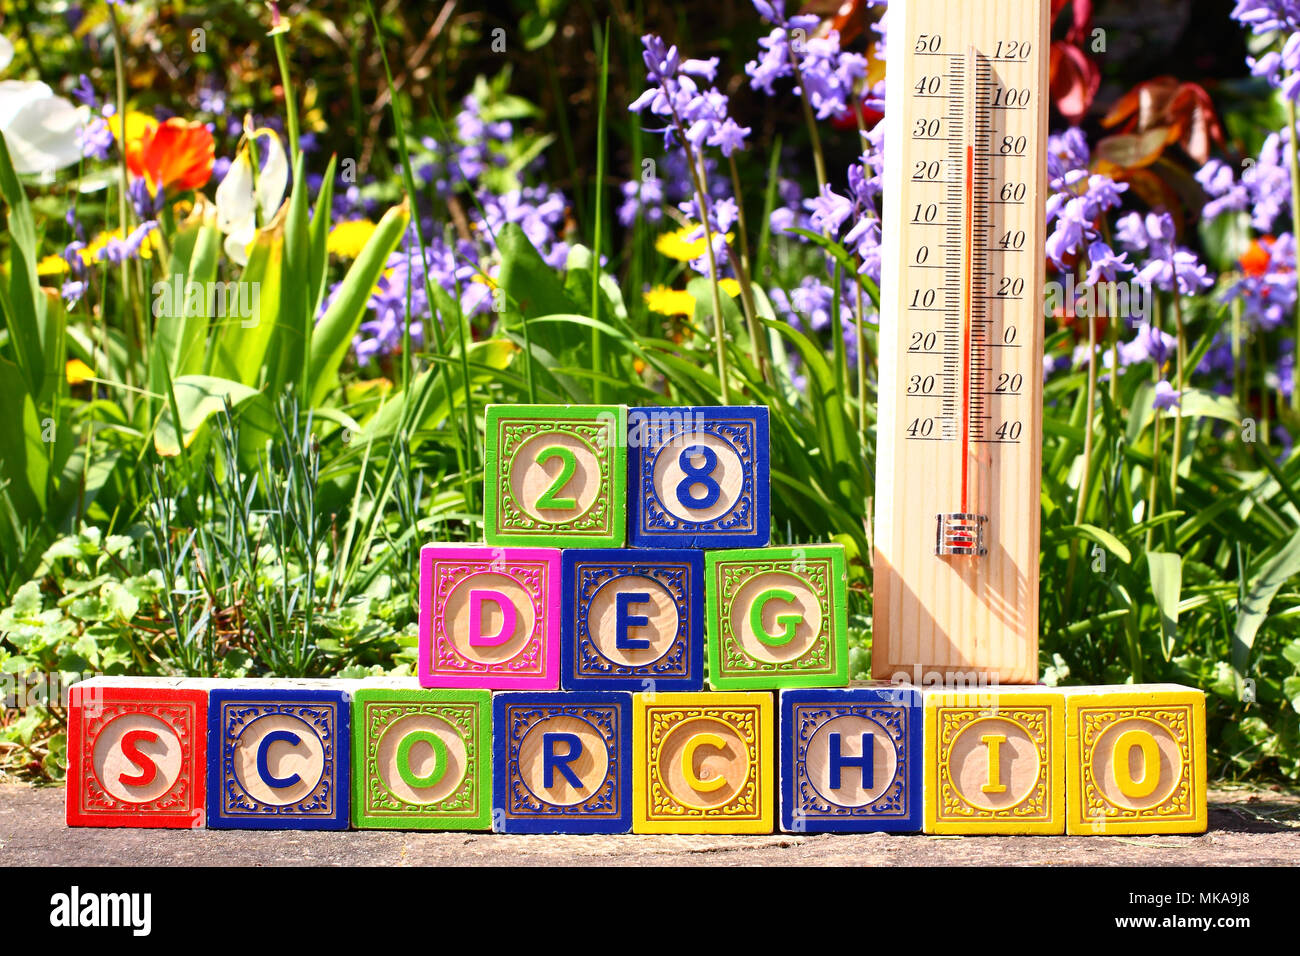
[[137, 753]]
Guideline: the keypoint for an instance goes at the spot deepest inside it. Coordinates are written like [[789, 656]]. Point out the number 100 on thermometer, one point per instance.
[[960, 409]]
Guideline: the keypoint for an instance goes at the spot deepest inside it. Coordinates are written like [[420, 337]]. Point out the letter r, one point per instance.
[[552, 761]]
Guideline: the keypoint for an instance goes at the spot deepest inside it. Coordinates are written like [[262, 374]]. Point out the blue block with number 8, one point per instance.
[[699, 477]]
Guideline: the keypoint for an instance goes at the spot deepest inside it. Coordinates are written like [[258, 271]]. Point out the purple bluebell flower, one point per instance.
[[72, 292], [83, 92], [96, 140], [1166, 395], [1265, 16], [146, 204], [829, 210]]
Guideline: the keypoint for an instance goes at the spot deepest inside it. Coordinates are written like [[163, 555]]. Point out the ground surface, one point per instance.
[[1247, 828]]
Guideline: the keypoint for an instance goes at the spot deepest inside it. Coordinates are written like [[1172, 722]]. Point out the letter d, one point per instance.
[[509, 618]]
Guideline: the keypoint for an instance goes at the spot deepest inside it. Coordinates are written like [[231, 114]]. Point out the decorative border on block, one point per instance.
[[585, 573], [517, 808], [376, 806], [326, 713]]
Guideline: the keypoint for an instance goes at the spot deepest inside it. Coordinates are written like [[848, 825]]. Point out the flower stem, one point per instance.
[[597, 341], [1179, 374], [819, 160], [290, 101], [120, 70], [719, 323], [1295, 226], [757, 343]]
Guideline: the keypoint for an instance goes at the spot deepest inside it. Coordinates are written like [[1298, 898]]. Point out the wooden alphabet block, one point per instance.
[[632, 620], [851, 760], [994, 760], [699, 477], [137, 750], [489, 617], [563, 762], [421, 759], [556, 475], [703, 763], [1135, 759], [777, 617], [279, 757]]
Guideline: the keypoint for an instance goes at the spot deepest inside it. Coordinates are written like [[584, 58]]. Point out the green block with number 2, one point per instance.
[[556, 476]]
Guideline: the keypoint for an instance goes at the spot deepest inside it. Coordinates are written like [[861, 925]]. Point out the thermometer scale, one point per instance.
[[960, 407]]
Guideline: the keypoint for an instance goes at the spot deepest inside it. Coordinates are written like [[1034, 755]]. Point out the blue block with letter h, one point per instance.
[[851, 760], [562, 762]]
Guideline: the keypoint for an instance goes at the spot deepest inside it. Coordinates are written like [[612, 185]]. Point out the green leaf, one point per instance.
[[241, 347], [1102, 537], [1262, 588], [1166, 584], [1198, 403], [318, 241], [339, 324], [22, 304], [197, 398]]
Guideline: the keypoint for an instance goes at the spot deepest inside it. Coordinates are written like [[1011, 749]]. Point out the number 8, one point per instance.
[[698, 476]]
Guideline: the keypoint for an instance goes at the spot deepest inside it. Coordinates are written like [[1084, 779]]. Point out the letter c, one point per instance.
[[148, 769], [688, 758], [264, 748]]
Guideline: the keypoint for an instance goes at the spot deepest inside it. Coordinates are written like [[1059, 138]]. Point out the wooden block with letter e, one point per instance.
[[279, 756], [851, 760], [777, 617], [563, 762], [995, 760], [421, 759], [1135, 758], [556, 475], [699, 477], [137, 751], [703, 763], [632, 620], [489, 617]]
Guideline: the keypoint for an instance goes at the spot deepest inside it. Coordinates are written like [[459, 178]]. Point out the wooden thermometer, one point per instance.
[[961, 381]]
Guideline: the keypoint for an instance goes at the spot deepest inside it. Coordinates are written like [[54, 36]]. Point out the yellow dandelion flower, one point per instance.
[[668, 301], [347, 239], [729, 286], [676, 245], [78, 371], [51, 265]]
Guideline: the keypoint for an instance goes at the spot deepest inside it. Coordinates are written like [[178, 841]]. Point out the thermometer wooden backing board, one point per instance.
[[960, 408]]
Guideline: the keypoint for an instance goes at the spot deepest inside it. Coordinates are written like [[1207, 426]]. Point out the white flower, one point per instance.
[[42, 131], [239, 200], [6, 52]]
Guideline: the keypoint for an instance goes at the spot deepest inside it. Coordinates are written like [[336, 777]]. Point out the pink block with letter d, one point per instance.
[[489, 617]]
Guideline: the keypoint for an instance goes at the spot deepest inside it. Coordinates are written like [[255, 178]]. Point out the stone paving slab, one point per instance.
[[1247, 828]]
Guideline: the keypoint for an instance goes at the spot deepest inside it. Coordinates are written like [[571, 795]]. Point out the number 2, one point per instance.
[[569, 464]]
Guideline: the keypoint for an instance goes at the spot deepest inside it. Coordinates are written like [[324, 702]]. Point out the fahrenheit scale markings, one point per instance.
[[961, 339]]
